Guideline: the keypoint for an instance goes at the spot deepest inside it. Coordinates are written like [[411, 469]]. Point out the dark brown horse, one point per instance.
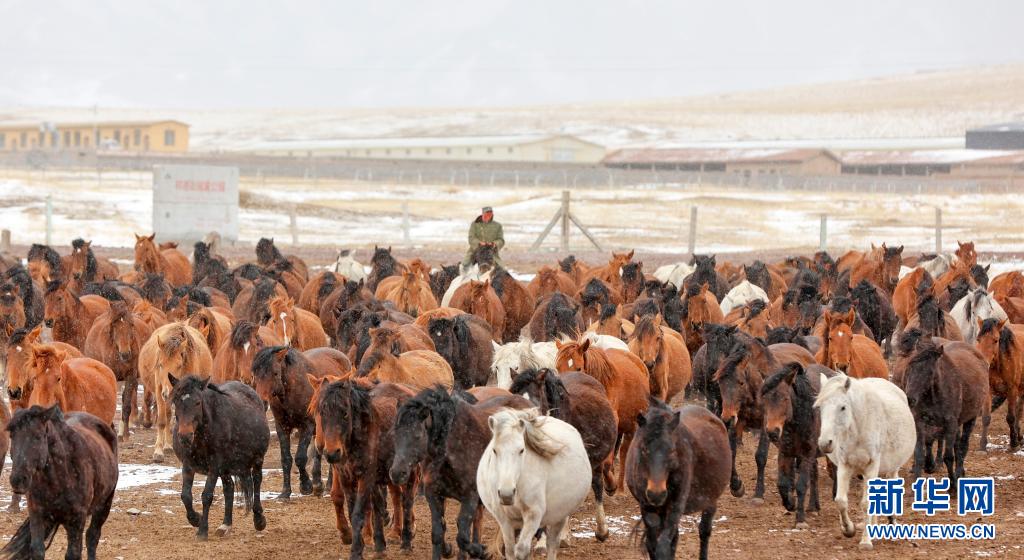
[[1002, 346], [556, 316], [425, 426], [267, 255], [678, 464], [516, 300], [382, 265], [67, 466], [465, 343], [578, 399]]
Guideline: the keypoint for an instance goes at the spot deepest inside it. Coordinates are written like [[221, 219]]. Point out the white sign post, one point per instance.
[[190, 201]]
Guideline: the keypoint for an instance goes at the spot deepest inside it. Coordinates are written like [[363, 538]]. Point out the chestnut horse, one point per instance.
[[19, 364], [409, 292], [85, 267], [172, 263], [665, 355], [853, 354], [267, 255], [295, 326], [233, 360], [115, 339], [610, 273], [1002, 346], [700, 307], [881, 268], [625, 380], [71, 316], [316, 290], [517, 301], [419, 369], [904, 297], [478, 298], [175, 349], [549, 280], [76, 384]]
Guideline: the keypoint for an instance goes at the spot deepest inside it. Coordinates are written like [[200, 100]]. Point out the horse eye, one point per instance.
[[521, 451], [495, 451], [842, 409]]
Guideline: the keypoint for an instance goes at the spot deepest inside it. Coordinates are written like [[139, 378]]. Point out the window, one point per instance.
[[137, 137], [168, 138], [469, 150], [117, 136], [24, 139], [448, 151], [3, 140], [408, 152], [67, 138], [427, 151], [78, 138], [510, 149], [490, 150]]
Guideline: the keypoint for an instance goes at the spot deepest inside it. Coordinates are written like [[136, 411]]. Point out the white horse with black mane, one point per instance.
[[867, 430], [742, 294], [530, 478], [974, 308]]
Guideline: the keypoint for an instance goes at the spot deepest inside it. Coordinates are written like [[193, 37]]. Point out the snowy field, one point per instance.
[[110, 209]]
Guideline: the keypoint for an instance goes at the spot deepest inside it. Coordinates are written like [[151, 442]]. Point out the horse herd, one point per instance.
[[467, 384]]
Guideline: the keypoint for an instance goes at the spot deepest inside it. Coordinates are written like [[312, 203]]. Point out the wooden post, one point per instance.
[[823, 241], [49, 219], [405, 223], [693, 230], [938, 230], [565, 221], [293, 223], [5, 240]]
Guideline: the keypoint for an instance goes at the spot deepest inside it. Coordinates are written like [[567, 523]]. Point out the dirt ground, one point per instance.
[[304, 526]]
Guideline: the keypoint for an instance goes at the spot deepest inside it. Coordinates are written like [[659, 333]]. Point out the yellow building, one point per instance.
[[534, 148], [132, 136]]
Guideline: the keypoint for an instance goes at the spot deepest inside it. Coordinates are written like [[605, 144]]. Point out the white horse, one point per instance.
[[976, 306], [673, 274], [349, 267], [603, 341], [867, 429], [529, 477], [742, 294], [520, 356], [939, 265], [471, 273]]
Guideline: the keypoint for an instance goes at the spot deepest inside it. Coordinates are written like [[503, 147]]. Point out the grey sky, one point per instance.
[[198, 54]]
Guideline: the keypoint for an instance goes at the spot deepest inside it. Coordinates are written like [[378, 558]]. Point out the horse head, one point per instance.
[[33, 435], [777, 397], [656, 430]]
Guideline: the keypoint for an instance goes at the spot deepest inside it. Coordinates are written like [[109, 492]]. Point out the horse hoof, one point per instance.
[[866, 545], [306, 488], [158, 457], [346, 537], [849, 532], [601, 536], [564, 543], [737, 491], [223, 530], [259, 522], [447, 551], [757, 501], [802, 525], [202, 537], [285, 496], [193, 519], [318, 490]]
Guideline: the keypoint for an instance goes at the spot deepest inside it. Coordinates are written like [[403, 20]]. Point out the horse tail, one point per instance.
[[20, 545]]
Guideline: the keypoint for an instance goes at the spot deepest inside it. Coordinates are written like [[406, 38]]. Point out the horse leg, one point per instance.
[[553, 535], [204, 523], [506, 534], [815, 503], [1013, 403], [530, 526], [147, 408], [188, 477], [785, 482], [803, 473], [920, 449], [408, 520], [318, 480], [229, 502], [358, 511], [870, 472], [259, 522], [92, 535], [707, 518], [338, 499], [652, 529], [284, 439], [669, 536], [379, 509], [464, 522], [437, 526], [74, 526], [597, 485], [735, 483], [128, 393], [627, 440], [949, 437], [842, 500], [161, 425], [302, 458], [963, 445], [761, 458]]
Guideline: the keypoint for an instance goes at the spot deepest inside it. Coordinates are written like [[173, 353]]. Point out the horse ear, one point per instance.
[[658, 320], [205, 330], [495, 345], [899, 249], [152, 237], [988, 266], [704, 288], [491, 423], [629, 255], [558, 344], [641, 420], [314, 380], [627, 327], [585, 346], [851, 316], [794, 369], [172, 380], [958, 244], [54, 413], [282, 353], [34, 335], [846, 386], [9, 328], [1002, 323], [980, 322]]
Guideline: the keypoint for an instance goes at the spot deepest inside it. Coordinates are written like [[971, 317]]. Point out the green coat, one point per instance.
[[490, 232]]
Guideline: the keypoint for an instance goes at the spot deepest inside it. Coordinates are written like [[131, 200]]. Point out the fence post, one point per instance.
[[823, 241], [5, 240], [565, 221], [49, 219], [693, 229], [938, 230], [293, 224], [405, 223]]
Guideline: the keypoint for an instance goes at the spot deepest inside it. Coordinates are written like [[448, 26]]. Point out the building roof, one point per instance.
[[649, 156], [1004, 127], [34, 125], [929, 157], [413, 142]]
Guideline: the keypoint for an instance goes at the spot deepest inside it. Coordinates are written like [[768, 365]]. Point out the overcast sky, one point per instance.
[[226, 53]]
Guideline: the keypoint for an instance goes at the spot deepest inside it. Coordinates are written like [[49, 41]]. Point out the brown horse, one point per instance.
[[853, 354], [172, 263], [12, 309], [965, 252], [71, 316], [115, 339], [233, 360], [575, 268], [251, 302], [904, 297], [150, 314], [317, 289], [83, 265], [933, 320], [1002, 346], [342, 298], [960, 270], [76, 384], [295, 326], [175, 349], [409, 292], [267, 254], [664, 353], [479, 298], [610, 273], [549, 280], [625, 380], [752, 319], [19, 364], [881, 268], [1007, 284], [700, 306], [611, 323], [419, 369], [213, 324], [517, 301]]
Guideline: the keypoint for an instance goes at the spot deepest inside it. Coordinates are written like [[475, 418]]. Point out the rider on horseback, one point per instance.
[[484, 231]]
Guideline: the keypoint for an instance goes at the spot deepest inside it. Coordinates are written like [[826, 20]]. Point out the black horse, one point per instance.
[[464, 342], [382, 265], [442, 278], [875, 308], [67, 466], [222, 432], [704, 273]]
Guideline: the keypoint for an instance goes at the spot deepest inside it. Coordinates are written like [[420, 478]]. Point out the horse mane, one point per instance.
[[980, 275], [737, 354], [841, 304], [267, 252], [567, 263], [360, 407], [929, 315], [1007, 341], [263, 361], [249, 271], [48, 254], [594, 292], [608, 311], [595, 360], [534, 437], [18, 336], [179, 337], [757, 274], [555, 393], [54, 286], [328, 283], [154, 287], [498, 281], [241, 333], [262, 291], [90, 258], [785, 334], [755, 307], [631, 272], [555, 314], [436, 403], [195, 295], [645, 327], [644, 307]]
